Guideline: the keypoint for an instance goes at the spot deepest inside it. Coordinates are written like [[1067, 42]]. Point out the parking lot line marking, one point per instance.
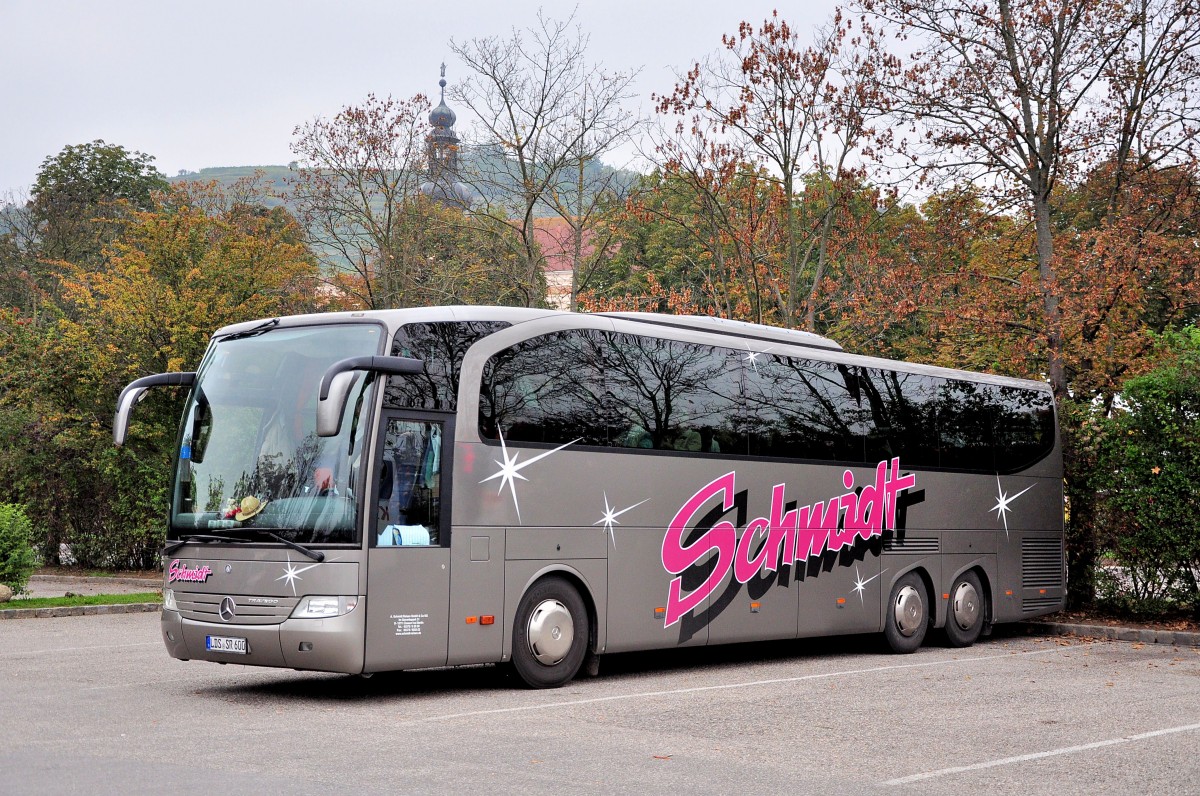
[[728, 686], [1067, 750]]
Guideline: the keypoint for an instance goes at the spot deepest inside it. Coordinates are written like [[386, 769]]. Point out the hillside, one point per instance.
[[275, 180]]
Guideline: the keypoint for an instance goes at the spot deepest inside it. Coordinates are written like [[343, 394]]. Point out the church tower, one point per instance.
[[443, 185]]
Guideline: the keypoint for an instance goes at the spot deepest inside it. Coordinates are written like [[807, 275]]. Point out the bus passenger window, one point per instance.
[[409, 493]]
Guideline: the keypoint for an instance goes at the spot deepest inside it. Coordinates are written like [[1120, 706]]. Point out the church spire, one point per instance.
[[442, 151]]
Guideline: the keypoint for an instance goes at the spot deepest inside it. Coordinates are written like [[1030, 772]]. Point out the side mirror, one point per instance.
[[135, 391], [340, 378]]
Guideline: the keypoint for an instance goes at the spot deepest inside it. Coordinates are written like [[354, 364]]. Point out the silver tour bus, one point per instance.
[[402, 489]]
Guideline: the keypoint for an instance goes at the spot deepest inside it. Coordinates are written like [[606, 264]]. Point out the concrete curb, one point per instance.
[[1112, 633], [79, 610], [150, 584]]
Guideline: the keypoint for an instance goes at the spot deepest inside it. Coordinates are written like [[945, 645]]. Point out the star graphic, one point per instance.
[[1002, 500], [510, 470], [291, 573], [610, 516], [860, 585], [752, 356]]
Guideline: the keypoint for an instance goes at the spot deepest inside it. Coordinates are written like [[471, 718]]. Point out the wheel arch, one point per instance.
[[578, 581]]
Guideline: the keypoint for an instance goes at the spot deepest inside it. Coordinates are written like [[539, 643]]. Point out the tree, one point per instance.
[[1030, 99], [381, 242], [800, 111], [1149, 464], [467, 258], [1151, 116], [173, 276], [1130, 271], [707, 224], [1027, 93], [545, 114], [357, 175], [23, 278], [80, 192]]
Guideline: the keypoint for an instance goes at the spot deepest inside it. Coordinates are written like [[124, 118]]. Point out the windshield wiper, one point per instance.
[[315, 555], [265, 326]]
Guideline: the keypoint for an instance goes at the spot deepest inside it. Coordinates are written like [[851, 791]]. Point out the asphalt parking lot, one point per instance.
[[92, 704]]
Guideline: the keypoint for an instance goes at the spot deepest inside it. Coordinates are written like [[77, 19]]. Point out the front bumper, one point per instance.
[[327, 645]]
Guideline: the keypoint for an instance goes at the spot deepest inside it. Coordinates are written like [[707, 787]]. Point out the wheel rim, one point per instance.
[[551, 631], [909, 611], [966, 606]]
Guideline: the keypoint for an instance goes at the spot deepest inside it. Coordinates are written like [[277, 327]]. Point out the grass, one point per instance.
[[81, 599]]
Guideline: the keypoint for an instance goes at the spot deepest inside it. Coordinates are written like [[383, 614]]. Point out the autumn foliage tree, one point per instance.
[[800, 113], [359, 175], [1027, 97], [171, 277], [1035, 104], [704, 226], [77, 205]]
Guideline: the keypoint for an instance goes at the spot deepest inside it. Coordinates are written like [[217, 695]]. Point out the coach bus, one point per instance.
[[402, 489]]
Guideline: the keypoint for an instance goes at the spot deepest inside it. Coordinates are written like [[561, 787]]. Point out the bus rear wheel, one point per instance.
[[907, 617], [968, 610], [551, 634]]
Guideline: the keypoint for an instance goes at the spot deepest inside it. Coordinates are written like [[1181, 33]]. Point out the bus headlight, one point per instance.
[[320, 607], [169, 603]]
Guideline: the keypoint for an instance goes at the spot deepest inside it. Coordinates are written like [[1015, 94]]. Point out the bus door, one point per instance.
[[408, 557]]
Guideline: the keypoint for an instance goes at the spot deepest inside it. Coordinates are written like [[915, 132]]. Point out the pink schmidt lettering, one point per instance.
[[180, 572], [787, 536]]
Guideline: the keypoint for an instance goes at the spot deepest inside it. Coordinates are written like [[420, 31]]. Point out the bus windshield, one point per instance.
[[249, 455]]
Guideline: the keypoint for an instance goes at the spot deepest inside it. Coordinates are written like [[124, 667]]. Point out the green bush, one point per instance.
[[17, 560], [1148, 476]]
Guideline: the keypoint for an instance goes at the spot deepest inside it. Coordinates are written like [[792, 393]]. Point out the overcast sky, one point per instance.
[[220, 83]]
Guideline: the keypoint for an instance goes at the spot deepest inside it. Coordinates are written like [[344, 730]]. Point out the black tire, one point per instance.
[[907, 617], [967, 611], [544, 656]]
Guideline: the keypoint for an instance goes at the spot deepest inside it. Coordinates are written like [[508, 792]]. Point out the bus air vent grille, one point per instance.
[[1041, 563], [249, 609], [912, 545], [1041, 605]]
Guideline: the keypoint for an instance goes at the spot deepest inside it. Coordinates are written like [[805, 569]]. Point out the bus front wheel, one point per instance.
[[907, 617], [968, 610], [551, 634]]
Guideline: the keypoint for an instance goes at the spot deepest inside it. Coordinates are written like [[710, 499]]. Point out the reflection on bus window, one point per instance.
[[410, 483], [249, 437], [441, 346], [615, 390]]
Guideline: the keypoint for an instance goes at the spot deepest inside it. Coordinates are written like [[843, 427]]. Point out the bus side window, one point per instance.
[[409, 492]]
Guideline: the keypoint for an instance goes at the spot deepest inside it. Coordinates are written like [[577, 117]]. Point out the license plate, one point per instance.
[[225, 644]]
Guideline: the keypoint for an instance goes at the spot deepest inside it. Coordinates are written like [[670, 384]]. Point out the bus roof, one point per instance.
[[705, 323], [700, 323], [685, 323]]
